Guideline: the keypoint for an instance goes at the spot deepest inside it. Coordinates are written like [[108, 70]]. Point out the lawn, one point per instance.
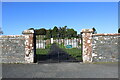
[[74, 52], [42, 51]]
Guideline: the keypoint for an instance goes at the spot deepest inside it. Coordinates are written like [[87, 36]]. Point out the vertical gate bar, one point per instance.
[[63, 40], [76, 47], [50, 44], [58, 57], [37, 41], [68, 44], [40, 41], [49, 36], [39, 47], [72, 41], [36, 47], [44, 42], [38, 44], [72, 44], [81, 46], [61, 44], [41, 37], [34, 43], [76, 40], [58, 51]]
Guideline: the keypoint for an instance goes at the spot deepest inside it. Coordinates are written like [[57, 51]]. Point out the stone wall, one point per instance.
[[100, 47], [17, 48], [13, 49], [95, 47], [105, 47]]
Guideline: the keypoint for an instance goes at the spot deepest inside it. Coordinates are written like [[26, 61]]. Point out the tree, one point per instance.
[[62, 31], [1, 32], [41, 31], [48, 33], [31, 29], [71, 33], [55, 32], [94, 30], [119, 30]]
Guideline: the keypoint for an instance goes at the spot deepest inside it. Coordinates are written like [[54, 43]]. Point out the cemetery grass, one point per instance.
[[42, 51], [74, 52]]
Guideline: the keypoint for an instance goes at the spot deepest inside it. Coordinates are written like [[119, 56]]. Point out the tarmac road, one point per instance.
[[60, 70]]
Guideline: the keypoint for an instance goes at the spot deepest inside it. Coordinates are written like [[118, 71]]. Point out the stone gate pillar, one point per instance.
[[87, 45], [29, 45]]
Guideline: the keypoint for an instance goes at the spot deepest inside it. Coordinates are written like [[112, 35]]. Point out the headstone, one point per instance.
[[51, 40], [41, 44]]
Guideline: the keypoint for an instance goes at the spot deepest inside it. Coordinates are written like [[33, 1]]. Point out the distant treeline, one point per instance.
[[58, 32], [61, 32]]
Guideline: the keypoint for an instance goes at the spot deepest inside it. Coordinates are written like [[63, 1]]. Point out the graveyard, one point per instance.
[[70, 46]]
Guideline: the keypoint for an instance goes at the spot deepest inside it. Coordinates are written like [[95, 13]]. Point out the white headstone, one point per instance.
[[51, 40]]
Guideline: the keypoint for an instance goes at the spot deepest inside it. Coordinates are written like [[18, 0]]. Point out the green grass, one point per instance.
[[48, 46], [42, 51], [74, 52]]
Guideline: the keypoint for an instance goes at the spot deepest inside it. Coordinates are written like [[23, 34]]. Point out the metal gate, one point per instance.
[[59, 49]]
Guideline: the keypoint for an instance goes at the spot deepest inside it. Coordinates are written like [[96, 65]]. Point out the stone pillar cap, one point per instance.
[[87, 30], [28, 32]]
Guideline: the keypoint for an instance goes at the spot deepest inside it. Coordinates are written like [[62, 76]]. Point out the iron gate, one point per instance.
[[59, 49]]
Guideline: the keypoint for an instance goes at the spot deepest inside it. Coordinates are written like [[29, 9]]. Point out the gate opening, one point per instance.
[[58, 49]]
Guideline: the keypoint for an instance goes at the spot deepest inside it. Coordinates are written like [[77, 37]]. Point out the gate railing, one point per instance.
[[30, 45], [68, 46]]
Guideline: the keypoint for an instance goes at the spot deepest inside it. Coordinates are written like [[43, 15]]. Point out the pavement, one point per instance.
[[60, 70]]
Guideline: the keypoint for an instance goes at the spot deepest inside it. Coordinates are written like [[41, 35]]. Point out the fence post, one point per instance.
[[29, 45], [87, 45]]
